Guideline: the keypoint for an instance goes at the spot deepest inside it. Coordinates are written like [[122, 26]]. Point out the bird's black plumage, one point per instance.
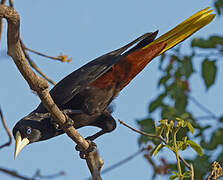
[[74, 93]]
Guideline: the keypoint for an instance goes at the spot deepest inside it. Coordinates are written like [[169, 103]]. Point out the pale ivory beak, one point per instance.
[[19, 144]]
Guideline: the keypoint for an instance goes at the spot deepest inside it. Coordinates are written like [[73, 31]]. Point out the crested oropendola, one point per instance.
[[85, 94]]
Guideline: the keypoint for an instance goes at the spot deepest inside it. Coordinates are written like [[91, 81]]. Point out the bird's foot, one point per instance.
[[69, 122], [84, 153], [55, 124]]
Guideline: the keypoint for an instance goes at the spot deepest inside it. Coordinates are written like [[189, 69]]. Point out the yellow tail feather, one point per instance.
[[185, 29]]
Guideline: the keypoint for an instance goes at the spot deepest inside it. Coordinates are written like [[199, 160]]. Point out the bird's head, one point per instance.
[[33, 128]]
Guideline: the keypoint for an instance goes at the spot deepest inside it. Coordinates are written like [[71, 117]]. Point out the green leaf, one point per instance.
[[181, 145], [187, 67], [190, 127], [195, 146], [216, 40], [209, 72], [146, 125], [163, 80], [157, 149], [181, 102], [221, 119], [220, 157], [201, 165], [211, 42], [156, 103], [170, 146], [215, 141], [202, 43], [167, 132], [187, 174], [168, 112], [159, 129], [219, 6], [163, 121], [173, 177]]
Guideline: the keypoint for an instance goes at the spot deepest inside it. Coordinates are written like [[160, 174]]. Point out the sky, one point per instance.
[[85, 30]]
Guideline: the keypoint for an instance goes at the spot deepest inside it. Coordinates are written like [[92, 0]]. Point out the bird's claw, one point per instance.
[[84, 153], [69, 122], [55, 124]]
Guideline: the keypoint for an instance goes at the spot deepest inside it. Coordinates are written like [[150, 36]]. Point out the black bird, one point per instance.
[[85, 94]]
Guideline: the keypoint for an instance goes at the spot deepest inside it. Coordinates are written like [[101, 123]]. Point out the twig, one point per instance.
[[3, 1], [192, 171], [62, 58], [142, 133], [202, 107], [11, 3], [51, 176], [185, 163], [1, 21], [40, 86], [127, 159], [14, 174], [6, 129], [123, 161], [156, 169], [176, 152], [34, 66], [154, 136], [36, 175]]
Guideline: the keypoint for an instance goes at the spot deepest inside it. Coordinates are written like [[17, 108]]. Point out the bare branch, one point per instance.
[[11, 3], [37, 174], [6, 129], [123, 161], [51, 176], [1, 21], [39, 85], [3, 1], [34, 66], [14, 174], [185, 163], [192, 171], [202, 107], [142, 132], [156, 169], [62, 58]]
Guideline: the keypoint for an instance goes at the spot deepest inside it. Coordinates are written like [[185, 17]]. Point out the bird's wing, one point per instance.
[[78, 80], [66, 89]]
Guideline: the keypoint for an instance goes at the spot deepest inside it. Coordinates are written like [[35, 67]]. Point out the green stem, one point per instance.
[[176, 153]]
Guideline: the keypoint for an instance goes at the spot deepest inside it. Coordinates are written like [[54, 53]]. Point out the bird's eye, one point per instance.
[[28, 131]]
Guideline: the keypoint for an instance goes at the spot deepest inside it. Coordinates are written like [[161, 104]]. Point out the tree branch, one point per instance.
[[36, 175], [6, 129], [123, 161], [33, 65], [1, 21], [142, 132], [61, 58], [202, 107], [14, 174], [40, 86]]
